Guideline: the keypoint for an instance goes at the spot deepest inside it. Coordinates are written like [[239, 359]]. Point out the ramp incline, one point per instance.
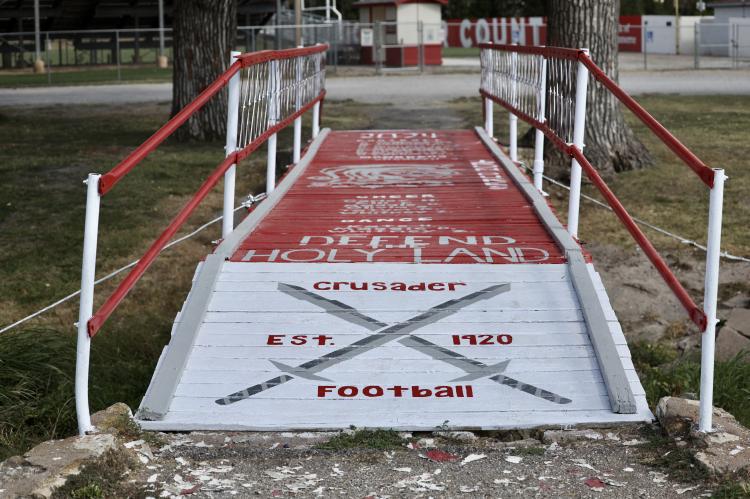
[[396, 279]]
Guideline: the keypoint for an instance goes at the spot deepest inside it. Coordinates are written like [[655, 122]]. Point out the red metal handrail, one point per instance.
[[109, 179], [557, 52], [703, 171], [98, 319], [102, 314], [706, 174]]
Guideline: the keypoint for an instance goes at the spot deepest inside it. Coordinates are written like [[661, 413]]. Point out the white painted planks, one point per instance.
[[550, 350]]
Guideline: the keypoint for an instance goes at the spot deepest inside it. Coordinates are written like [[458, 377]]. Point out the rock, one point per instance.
[[729, 343], [111, 419], [566, 436], [724, 451], [739, 320], [49, 464], [677, 415], [461, 436], [740, 300]]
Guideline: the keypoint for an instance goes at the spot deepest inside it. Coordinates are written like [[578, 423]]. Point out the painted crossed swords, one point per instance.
[[385, 333]]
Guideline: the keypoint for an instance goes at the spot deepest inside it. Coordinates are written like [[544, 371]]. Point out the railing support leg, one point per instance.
[[512, 118], [579, 128], [710, 294], [271, 165], [489, 126], [316, 120], [273, 118], [538, 166], [297, 148], [233, 104], [86, 308]]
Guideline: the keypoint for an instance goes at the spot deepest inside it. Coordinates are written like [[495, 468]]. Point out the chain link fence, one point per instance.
[[705, 45]]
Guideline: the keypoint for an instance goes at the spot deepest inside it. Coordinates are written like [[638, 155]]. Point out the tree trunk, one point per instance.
[[610, 144], [204, 35]]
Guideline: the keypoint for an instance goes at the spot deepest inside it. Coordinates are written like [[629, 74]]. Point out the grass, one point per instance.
[[44, 156], [664, 372], [102, 478], [460, 52], [45, 153], [364, 439], [69, 76]]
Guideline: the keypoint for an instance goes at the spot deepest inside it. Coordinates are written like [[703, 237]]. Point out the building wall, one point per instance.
[[410, 14]]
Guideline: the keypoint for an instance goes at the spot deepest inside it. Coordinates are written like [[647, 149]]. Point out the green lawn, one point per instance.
[[69, 76], [460, 52], [45, 153]]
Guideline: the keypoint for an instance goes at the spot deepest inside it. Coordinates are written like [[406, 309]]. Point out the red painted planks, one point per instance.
[[402, 196]]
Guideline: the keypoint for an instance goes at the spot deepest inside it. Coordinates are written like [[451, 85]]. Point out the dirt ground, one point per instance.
[[614, 463]]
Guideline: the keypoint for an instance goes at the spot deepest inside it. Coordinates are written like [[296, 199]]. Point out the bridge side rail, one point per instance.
[[547, 88], [268, 91]]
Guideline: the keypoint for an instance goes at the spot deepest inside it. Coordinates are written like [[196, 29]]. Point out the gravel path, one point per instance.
[[396, 89]]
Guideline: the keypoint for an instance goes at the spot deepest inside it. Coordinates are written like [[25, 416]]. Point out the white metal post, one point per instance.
[[298, 120], [233, 104], [579, 127], [37, 35], [273, 109], [316, 106], [713, 246], [86, 308], [539, 136], [161, 27], [489, 126], [512, 118], [489, 81]]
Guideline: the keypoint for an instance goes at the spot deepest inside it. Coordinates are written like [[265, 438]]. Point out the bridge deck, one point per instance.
[[396, 279]]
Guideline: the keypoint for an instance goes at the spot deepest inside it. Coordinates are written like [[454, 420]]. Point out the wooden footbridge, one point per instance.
[[406, 279]]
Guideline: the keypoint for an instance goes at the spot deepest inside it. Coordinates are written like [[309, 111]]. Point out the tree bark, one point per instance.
[[204, 35], [610, 144]]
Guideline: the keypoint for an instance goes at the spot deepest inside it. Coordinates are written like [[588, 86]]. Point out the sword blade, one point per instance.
[[382, 337], [437, 352]]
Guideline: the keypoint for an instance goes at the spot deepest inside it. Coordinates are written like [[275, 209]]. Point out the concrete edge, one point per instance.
[[161, 389], [618, 388]]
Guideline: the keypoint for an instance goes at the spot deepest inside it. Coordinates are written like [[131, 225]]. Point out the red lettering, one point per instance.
[[418, 392], [348, 391], [504, 339], [319, 286], [323, 390], [397, 390], [299, 339], [275, 339], [417, 287], [436, 286], [469, 391], [373, 391], [452, 285], [322, 339], [379, 286], [443, 391]]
